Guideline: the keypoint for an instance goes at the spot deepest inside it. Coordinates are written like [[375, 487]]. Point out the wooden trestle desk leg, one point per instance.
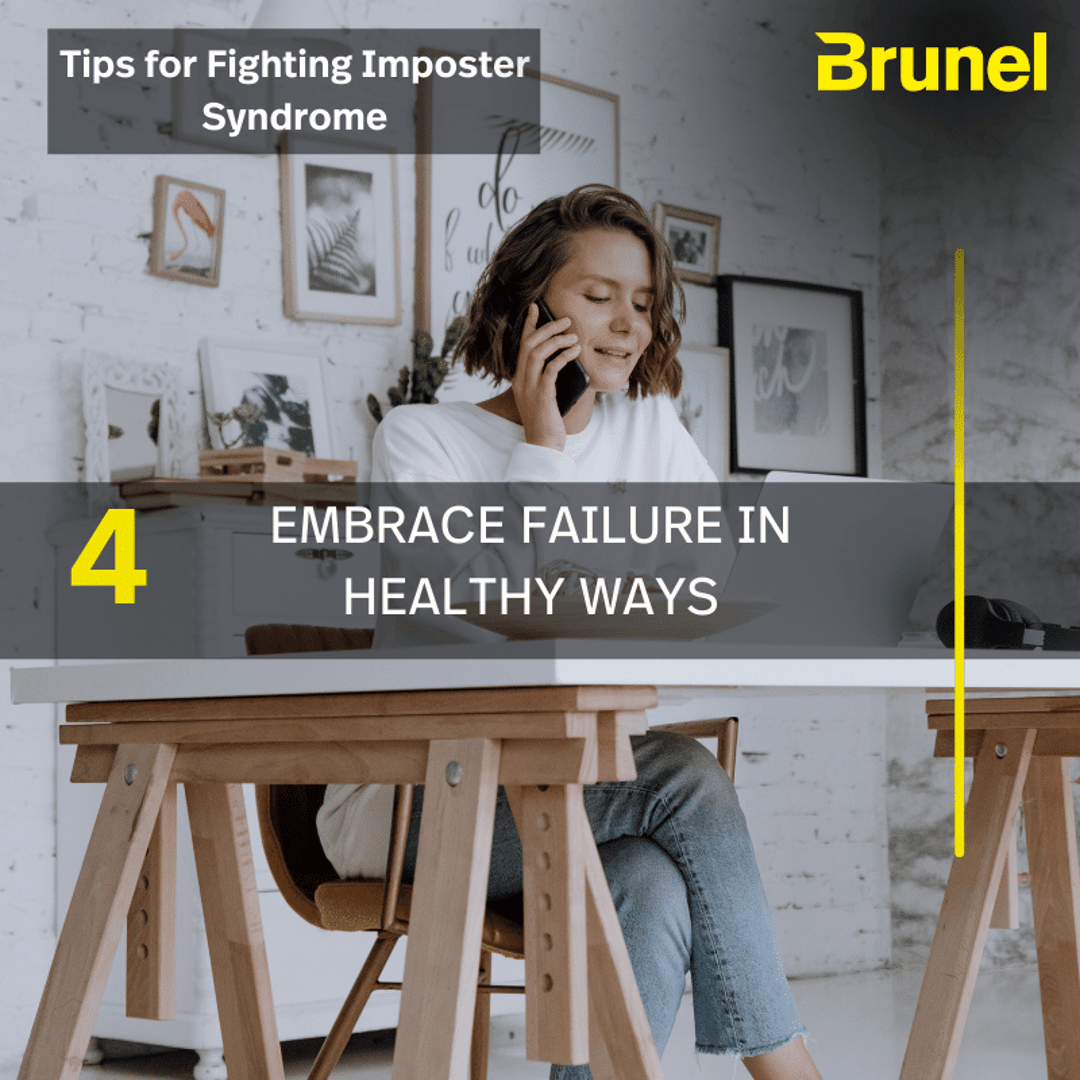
[[230, 903], [447, 916], [552, 822], [95, 919], [1055, 898], [481, 1029], [556, 976], [151, 923], [965, 911], [620, 1042]]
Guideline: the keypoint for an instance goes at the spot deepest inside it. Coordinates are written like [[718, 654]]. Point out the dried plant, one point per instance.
[[245, 414], [418, 386]]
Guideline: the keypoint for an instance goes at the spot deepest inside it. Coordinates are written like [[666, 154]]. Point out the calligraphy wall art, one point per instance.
[[798, 394], [467, 202], [339, 221]]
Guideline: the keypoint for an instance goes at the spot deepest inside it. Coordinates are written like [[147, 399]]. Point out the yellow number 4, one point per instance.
[[123, 577]]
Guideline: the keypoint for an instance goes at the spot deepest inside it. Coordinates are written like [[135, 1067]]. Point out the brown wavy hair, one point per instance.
[[540, 245]]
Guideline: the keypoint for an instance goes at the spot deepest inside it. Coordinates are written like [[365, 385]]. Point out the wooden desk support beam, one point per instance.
[[91, 933], [621, 1046], [479, 702], [999, 712], [446, 922], [544, 725], [1049, 742], [965, 912], [563, 761], [1006, 913], [151, 923], [556, 985], [230, 901], [1055, 899], [616, 754]]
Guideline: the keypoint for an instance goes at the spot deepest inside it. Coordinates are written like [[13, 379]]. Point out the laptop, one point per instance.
[[857, 552]]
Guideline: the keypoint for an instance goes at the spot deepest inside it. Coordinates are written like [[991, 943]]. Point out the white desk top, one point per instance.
[[365, 671]]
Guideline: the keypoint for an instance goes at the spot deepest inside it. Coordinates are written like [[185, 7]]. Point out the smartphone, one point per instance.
[[573, 380]]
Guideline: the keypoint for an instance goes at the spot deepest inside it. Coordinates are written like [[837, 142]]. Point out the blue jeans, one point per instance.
[[685, 883]]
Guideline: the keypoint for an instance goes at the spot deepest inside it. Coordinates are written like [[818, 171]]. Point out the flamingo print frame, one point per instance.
[[188, 222], [340, 235]]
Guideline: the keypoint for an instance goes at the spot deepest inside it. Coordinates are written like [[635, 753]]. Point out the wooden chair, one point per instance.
[[311, 887], [724, 730]]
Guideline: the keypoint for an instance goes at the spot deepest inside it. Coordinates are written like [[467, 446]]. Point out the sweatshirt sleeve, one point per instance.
[[407, 449], [540, 465], [414, 444]]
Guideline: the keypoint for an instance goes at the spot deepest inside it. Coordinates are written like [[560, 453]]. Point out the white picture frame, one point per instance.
[[119, 399], [702, 404], [284, 380], [339, 218]]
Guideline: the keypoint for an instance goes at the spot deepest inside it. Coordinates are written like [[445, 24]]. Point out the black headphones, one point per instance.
[[1004, 624]]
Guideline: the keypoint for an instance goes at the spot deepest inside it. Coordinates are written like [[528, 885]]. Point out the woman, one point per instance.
[[674, 843]]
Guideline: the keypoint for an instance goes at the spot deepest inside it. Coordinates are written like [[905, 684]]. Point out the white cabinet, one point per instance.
[[217, 573]]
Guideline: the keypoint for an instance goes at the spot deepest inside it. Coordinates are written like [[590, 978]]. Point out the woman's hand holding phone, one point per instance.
[[534, 377]]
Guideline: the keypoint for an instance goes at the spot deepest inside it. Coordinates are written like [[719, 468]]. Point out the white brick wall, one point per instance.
[[27, 865], [716, 114]]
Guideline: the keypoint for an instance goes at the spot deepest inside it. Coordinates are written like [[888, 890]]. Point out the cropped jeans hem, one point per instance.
[[742, 1052]]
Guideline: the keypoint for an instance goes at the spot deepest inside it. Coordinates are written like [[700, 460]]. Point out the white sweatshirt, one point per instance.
[[625, 441]]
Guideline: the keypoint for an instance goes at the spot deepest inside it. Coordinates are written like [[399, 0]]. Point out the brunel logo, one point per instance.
[[1006, 69]]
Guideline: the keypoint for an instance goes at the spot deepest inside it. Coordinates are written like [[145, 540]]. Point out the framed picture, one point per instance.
[[798, 395], [694, 239], [188, 222], [467, 202], [339, 218], [262, 394], [702, 403]]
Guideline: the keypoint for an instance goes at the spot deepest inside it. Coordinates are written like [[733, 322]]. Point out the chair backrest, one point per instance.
[[287, 812], [268, 638], [291, 842]]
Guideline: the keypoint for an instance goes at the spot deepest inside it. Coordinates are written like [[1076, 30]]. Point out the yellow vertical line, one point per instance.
[[958, 552]]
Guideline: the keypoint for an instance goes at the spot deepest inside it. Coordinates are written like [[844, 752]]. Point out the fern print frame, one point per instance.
[[339, 217]]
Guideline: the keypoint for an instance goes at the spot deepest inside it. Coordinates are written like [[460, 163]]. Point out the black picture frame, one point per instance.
[[805, 416]]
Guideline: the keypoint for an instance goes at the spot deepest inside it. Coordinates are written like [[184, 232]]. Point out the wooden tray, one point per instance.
[[272, 466]]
